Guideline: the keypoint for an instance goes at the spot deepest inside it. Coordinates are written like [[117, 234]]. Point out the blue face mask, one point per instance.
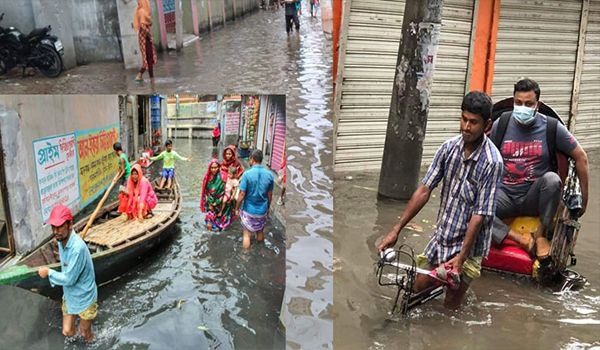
[[524, 115]]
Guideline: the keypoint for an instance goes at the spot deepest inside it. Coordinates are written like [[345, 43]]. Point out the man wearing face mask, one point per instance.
[[530, 183]]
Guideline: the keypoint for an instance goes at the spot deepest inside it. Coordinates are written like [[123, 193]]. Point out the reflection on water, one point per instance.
[[200, 291], [499, 311]]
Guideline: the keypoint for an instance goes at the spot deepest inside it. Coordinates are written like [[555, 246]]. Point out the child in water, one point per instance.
[[231, 188]]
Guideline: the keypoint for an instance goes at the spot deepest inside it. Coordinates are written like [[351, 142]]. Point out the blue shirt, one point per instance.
[[256, 182], [77, 275], [469, 188]]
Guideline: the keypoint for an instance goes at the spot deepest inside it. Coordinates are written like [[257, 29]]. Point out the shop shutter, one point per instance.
[[369, 61]]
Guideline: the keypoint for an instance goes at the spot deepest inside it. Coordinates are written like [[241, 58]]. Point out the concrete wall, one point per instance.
[[129, 38], [25, 118], [19, 16], [56, 14], [202, 8], [95, 27], [229, 10]]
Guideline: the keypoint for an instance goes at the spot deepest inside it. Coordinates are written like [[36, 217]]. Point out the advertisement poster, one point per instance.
[[232, 123], [56, 172], [97, 160]]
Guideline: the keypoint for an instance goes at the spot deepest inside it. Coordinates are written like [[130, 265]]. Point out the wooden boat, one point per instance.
[[509, 258], [116, 244]]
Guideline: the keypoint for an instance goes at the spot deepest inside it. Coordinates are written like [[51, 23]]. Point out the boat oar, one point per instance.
[[89, 223]]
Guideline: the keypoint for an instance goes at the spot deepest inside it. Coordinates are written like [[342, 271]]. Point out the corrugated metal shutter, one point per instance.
[[278, 137], [372, 42], [538, 40], [587, 127]]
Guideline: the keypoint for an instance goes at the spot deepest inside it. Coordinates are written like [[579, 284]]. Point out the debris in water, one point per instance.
[[179, 303], [202, 328], [414, 227], [425, 221], [348, 177]]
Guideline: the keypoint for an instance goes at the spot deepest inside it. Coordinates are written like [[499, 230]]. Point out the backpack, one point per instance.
[[503, 110]]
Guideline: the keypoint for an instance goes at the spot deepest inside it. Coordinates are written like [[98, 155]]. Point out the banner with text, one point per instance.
[[56, 172], [97, 160]]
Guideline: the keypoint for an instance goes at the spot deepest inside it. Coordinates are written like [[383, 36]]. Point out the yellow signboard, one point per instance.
[[97, 162]]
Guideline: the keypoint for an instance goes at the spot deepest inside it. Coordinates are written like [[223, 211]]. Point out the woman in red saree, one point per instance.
[[229, 160], [142, 198]]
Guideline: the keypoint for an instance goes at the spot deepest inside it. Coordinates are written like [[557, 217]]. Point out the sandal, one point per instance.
[[542, 250]]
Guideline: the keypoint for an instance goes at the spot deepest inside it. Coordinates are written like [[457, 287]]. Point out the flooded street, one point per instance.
[[498, 311], [252, 55], [200, 291]]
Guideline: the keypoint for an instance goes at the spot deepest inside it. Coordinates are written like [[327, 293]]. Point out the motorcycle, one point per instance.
[[38, 49]]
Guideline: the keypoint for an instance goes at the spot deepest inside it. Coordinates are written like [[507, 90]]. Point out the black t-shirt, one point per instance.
[[290, 8]]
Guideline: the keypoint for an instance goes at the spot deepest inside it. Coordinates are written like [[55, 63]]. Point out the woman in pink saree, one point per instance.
[[142, 198]]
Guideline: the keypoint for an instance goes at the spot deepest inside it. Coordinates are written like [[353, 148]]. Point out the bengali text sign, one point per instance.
[[97, 160], [232, 123], [56, 171]]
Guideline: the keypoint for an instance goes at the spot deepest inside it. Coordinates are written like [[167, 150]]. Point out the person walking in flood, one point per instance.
[[142, 198], [230, 160], [142, 22], [169, 156], [255, 195], [76, 277], [216, 134], [470, 168], [291, 16], [211, 199]]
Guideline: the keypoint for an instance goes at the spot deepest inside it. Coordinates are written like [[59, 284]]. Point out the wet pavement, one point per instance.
[[254, 55], [499, 311], [231, 297]]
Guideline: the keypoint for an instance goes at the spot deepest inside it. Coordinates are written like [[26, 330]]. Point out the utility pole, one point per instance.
[[413, 80], [178, 25]]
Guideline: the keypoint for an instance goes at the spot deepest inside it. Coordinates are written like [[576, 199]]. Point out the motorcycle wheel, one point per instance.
[[50, 63]]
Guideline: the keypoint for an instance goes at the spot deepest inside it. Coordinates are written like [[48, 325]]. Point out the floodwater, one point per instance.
[[230, 298], [254, 55], [249, 55], [499, 312]]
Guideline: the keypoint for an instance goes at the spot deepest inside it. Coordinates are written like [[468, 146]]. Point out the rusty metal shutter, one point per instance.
[[369, 57], [538, 40], [587, 127]]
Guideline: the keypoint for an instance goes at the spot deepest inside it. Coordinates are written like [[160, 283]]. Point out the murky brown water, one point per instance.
[[499, 312], [254, 55]]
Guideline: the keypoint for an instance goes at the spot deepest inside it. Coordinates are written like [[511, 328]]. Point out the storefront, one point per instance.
[[369, 41]]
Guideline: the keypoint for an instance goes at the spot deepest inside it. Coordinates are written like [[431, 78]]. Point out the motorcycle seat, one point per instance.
[[37, 32]]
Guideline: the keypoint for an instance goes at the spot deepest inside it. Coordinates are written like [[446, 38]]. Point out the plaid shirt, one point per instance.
[[469, 187]]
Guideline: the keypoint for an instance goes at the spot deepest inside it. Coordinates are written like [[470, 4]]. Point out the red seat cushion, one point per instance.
[[510, 258]]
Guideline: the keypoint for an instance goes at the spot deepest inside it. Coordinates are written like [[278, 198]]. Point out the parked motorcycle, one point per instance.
[[39, 50]]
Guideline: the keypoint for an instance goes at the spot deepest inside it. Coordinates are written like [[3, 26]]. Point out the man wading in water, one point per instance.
[[255, 193], [76, 277], [470, 167]]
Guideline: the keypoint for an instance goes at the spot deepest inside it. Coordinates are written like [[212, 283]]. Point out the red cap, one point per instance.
[[59, 215]]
